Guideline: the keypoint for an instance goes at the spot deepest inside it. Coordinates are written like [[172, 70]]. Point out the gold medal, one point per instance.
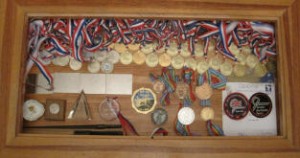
[[177, 62], [148, 48], [239, 70], [202, 66], [152, 60], [207, 113], [199, 50], [215, 62], [241, 57], [139, 58], [191, 63], [126, 58], [133, 47], [75, 64], [204, 91], [158, 86], [172, 50], [252, 61], [185, 50], [164, 60], [234, 49], [226, 68], [260, 70], [182, 90], [120, 48], [246, 50]]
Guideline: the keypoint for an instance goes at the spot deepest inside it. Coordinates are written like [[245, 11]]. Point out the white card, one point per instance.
[[118, 84], [250, 125], [93, 83]]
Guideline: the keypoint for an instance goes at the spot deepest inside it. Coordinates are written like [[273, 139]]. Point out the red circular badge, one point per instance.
[[236, 106]]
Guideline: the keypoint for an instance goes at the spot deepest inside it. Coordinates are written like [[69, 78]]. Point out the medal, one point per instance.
[[199, 50], [94, 67], [100, 55], [215, 62], [113, 56], [164, 60], [246, 50], [239, 70], [151, 60], [161, 50], [191, 63], [252, 61], [147, 48], [202, 66], [126, 58], [159, 116], [241, 57], [204, 91], [236, 106], [260, 105], [55, 109], [182, 90], [186, 115], [75, 64], [133, 47], [139, 58], [234, 49], [108, 109], [158, 86], [33, 110], [172, 50], [177, 62], [143, 100], [120, 47], [260, 70], [207, 113], [185, 50], [107, 67], [61, 60], [226, 68]]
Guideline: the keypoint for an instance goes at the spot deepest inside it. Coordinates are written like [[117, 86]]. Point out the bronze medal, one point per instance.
[[204, 91], [158, 86], [207, 113]]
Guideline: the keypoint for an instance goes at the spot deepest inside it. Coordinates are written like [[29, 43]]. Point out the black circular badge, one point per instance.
[[236, 106], [260, 105]]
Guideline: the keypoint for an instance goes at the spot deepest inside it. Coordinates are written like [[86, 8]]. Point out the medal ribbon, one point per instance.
[[159, 131]]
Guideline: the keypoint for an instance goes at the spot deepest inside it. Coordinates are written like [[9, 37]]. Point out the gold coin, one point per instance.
[[215, 62], [185, 50], [204, 91], [139, 58], [164, 60], [234, 49], [260, 70], [152, 60], [191, 63], [148, 48], [199, 50], [251, 61], [207, 113], [177, 62], [120, 47], [239, 70], [126, 58], [172, 50], [241, 57], [202, 66], [226, 68], [133, 47]]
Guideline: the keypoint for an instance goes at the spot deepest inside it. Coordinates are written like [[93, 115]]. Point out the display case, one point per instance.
[[227, 72]]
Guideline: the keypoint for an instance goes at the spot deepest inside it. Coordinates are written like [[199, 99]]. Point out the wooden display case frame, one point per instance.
[[13, 26]]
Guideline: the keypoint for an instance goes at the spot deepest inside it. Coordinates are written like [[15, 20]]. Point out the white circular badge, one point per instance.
[[186, 116], [33, 110], [94, 67], [75, 64], [54, 108], [107, 67]]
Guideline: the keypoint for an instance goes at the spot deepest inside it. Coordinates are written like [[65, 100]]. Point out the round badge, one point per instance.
[[94, 67], [158, 86], [226, 68], [215, 62], [108, 109], [207, 113], [54, 108], [113, 57], [75, 64], [252, 61], [133, 47], [182, 90], [202, 66], [120, 47], [33, 110], [191, 63], [260, 105], [147, 48], [186, 115], [164, 60], [100, 55], [204, 91], [152, 60], [177, 62], [126, 58], [143, 100], [139, 58], [159, 116], [236, 106], [239, 70], [107, 66], [61, 61]]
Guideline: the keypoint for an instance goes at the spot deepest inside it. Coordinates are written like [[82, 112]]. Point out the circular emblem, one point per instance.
[[75, 64], [251, 61], [172, 49], [100, 55], [186, 115], [236, 106], [113, 57], [185, 50], [164, 60], [33, 110], [120, 47], [207, 113], [54, 108], [94, 67], [215, 62], [143, 100], [158, 86], [191, 63], [226, 68], [107, 67], [151, 60], [177, 62], [108, 109], [202, 66], [139, 58], [133, 47], [260, 70], [204, 91], [159, 116], [182, 90], [260, 105], [241, 57], [147, 48], [126, 58]]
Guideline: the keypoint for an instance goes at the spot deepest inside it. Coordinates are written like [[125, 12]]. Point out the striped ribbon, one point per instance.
[[127, 126]]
